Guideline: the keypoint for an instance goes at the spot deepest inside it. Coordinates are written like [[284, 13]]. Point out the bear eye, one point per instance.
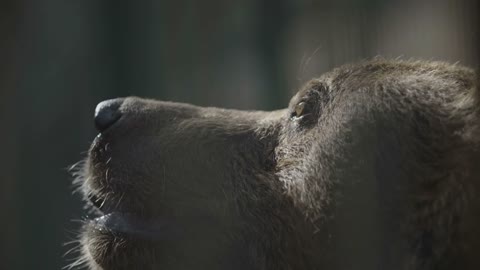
[[299, 109]]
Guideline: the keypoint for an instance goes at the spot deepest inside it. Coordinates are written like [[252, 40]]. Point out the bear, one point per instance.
[[373, 165]]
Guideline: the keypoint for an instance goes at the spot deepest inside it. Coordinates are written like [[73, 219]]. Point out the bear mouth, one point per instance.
[[113, 219], [127, 224], [111, 234], [110, 212]]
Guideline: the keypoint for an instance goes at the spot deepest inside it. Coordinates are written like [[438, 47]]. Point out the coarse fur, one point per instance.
[[375, 169]]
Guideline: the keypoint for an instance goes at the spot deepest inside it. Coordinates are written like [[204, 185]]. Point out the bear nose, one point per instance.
[[107, 113]]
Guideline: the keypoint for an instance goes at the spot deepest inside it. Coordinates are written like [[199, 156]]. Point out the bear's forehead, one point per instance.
[[380, 71]]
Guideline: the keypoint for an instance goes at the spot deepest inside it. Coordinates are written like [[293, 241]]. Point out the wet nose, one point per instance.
[[107, 113]]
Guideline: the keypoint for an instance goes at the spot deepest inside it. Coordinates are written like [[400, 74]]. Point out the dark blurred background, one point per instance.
[[59, 58]]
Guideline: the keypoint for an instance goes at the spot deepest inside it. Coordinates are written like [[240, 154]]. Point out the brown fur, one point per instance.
[[380, 173]]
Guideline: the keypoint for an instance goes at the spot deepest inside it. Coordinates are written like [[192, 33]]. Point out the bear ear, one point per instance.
[[472, 100], [475, 94], [477, 88], [466, 109]]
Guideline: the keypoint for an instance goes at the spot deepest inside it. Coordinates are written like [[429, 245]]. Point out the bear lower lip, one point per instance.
[[127, 224]]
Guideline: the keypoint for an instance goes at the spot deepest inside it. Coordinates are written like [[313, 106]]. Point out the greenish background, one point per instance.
[[58, 59]]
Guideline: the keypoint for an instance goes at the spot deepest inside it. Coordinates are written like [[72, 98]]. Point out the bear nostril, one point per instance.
[[107, 113]]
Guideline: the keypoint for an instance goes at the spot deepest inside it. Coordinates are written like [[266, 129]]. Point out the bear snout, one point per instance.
[[107, 113]]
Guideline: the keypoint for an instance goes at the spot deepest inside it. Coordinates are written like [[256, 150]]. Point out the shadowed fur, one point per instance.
[[372, 166]]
